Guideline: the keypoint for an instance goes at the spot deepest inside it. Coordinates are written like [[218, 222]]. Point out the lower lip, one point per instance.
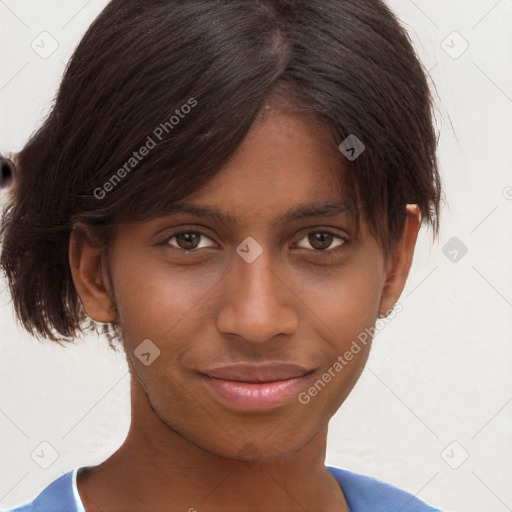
[[261, 395]]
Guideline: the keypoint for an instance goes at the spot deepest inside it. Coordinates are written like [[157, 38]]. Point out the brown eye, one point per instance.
[[188, 241], [322, 241], [185, 240]]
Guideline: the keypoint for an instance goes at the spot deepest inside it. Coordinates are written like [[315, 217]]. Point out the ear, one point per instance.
[[400, 261], [89, 270]]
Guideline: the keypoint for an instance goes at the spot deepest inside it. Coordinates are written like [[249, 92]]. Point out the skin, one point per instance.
[[186, 450]]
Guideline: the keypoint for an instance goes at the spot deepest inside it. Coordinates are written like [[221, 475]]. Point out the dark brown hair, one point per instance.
[[193, 76]]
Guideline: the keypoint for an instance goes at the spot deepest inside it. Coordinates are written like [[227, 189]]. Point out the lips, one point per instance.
[[267, 372], [253, 388]]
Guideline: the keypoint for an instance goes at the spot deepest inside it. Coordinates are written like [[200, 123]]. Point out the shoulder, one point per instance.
[[364, 493], [59, 496]]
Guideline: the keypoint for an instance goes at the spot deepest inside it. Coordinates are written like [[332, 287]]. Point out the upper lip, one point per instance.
[[267, 372]]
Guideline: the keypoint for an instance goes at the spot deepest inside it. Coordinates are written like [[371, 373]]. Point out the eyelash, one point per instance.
[[326, 253]]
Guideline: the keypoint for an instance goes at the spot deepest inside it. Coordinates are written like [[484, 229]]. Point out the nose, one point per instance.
[[258, 303]]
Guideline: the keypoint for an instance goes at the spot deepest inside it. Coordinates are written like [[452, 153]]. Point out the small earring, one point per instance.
[[7, 172]]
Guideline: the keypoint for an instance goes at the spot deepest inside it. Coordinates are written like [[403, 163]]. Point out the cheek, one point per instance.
[[154, 298], [341, 309], [345, 300]]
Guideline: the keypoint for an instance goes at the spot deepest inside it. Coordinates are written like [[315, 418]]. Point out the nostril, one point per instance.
[[7, 172]]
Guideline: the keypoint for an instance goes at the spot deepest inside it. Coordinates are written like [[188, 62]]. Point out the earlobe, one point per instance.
[[88, 268], [400, 261]]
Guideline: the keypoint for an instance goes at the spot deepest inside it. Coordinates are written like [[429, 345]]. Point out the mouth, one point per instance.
[[250, 387], [261, 373]]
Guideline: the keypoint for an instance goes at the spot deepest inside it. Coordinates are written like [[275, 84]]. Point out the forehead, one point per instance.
[[285, 161]]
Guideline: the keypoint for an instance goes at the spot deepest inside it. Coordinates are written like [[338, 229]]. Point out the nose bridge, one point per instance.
[[258, 307], [257, 280]]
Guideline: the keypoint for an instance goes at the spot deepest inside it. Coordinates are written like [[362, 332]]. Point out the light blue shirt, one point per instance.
[[363, 494]]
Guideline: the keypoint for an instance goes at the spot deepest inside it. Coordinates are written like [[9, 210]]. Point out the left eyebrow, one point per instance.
[[306, 211], [302, 211]]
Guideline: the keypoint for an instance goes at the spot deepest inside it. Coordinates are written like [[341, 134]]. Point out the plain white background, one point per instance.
[[432, 412]]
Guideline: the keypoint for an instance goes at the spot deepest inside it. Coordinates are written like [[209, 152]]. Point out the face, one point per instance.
[[252, 287]]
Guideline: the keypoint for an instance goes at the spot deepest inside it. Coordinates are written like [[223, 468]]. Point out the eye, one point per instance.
[[185, 240], [321, 241]]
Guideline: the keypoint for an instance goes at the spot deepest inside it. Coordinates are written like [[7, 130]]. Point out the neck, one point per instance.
[[156, 468]]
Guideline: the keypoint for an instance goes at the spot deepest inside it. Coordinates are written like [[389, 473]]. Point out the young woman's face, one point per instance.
[[253, 288]]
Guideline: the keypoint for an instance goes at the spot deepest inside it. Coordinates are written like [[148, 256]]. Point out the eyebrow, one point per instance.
[[303, 211]]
